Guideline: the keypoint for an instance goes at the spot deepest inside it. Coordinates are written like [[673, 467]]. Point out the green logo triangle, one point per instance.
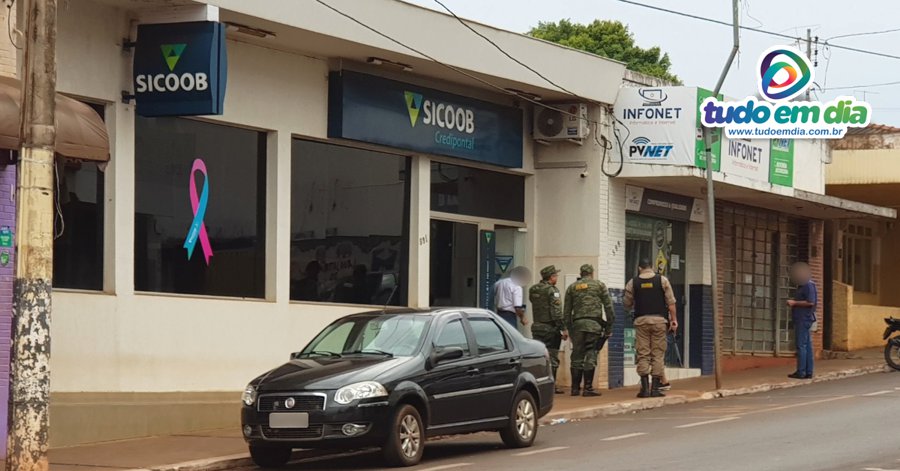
[[488, 236], [413, 105], [171, 53]]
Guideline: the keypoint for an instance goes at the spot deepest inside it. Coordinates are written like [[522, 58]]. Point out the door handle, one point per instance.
[[473, 371], [515, 361]]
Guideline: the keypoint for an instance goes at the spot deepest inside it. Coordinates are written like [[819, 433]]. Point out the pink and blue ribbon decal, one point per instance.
[[198, 206]]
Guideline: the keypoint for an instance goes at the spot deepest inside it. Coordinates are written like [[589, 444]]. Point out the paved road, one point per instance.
[[840, 425]]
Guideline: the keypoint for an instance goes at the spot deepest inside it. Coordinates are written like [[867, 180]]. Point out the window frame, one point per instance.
[[469, 353], [483, 318], [852, 235]]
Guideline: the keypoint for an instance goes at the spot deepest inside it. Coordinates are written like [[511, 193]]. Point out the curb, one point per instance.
[[617, 408], [625, 407]]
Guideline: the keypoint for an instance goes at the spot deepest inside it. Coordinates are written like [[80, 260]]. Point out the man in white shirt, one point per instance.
[[509, 298]]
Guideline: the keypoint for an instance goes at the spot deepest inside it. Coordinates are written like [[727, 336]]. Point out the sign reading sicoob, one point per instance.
[[180, 69], [373, 109]]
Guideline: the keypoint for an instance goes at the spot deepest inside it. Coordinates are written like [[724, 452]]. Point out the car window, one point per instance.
[[398, 335], [452, 335], [335, 340], [488, 336]]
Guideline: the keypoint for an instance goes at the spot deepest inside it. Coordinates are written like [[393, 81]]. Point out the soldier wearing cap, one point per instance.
[[589, 316], [546, 306]]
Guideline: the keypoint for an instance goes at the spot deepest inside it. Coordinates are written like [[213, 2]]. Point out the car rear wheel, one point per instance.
[[270, 456], [406, 440], [521, 430]]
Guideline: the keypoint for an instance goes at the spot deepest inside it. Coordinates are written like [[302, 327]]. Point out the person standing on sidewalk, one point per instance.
[[803, 312], [589, 316], [546, 307], [653, 301], [508, 296]]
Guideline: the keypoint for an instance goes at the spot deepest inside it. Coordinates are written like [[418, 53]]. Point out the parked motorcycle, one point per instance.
[[892, 349]]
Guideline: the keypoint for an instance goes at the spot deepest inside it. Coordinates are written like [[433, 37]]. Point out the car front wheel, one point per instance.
[[406, 440], [521, 430], [270, 457]]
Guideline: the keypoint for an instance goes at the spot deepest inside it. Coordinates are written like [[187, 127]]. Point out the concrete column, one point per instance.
[[118, 229], [278, 217], [419, 232]]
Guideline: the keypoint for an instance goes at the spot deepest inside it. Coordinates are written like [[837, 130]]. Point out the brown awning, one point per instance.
[[80, 132]]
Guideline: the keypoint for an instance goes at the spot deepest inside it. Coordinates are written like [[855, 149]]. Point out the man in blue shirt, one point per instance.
[[803, 312]]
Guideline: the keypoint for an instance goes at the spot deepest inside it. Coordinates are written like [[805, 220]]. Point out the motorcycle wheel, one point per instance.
[[892, 355]]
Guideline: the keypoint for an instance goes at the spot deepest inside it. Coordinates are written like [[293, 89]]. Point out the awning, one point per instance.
[[692, 182], [80, 132]]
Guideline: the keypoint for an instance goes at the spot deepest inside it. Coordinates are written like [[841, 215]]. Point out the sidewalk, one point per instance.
[[222, 449]]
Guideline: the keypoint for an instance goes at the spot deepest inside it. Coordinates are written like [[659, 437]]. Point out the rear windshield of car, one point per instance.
[[388, 335]]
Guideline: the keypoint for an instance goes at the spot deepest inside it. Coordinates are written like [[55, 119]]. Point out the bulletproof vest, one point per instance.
[[649, 297]]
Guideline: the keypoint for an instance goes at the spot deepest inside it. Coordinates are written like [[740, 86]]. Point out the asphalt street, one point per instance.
[[839, 425]]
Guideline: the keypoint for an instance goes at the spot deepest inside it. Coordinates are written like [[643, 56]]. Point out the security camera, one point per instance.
[[584, 174]]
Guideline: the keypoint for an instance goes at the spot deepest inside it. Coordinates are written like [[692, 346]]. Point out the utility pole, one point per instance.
[[711, 202], [30, 369], [808, 56]]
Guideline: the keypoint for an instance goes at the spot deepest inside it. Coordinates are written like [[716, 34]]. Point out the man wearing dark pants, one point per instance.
[[548, 326], [589, 316], [508, 296], [653, 301], [803, 312]]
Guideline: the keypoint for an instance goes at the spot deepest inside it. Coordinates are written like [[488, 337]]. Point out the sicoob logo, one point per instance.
[[783, 74]]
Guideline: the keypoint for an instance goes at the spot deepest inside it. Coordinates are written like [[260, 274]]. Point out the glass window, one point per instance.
[[452, 335], [397, 335], [199, 208], [858, 258], [349, 225], [488, 336], [78, 244], [476, 192]]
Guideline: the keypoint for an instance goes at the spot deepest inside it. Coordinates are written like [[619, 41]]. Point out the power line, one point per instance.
[[852, 35], [502, 51], [871, 85], [758, 30]]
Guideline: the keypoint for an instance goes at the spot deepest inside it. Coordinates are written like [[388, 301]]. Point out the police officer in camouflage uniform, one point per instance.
[[548, 325], [589, 316]]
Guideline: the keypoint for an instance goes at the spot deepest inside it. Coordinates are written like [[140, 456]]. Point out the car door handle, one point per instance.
[[473, 371], [515, 361]]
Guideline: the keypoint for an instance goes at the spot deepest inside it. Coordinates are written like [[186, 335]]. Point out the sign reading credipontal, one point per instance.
[[373, 109], [784, 73], [180, 69]]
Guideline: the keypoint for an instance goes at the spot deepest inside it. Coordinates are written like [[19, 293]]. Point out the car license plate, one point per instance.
[[289, 420]]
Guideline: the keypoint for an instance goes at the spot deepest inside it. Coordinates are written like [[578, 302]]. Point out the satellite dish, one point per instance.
[[550, 122]]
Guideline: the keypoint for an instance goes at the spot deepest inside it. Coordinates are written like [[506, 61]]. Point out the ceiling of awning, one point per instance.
[[80, 132], [801, 203]]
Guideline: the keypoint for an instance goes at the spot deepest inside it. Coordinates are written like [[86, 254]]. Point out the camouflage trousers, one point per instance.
[[551, 338], [585, 348]]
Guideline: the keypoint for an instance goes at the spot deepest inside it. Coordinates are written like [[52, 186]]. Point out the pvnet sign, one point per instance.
[[381, 111], [180, 69]]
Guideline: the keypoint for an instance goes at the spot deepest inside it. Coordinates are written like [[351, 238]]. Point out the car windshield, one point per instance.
[[387, 335]]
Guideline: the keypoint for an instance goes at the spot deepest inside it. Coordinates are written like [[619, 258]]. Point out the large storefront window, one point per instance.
[[349, 225], [78, 244], [475, 192], [200, 214]]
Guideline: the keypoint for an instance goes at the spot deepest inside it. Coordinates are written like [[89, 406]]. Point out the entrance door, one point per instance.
[[454, 264], [663, 243]]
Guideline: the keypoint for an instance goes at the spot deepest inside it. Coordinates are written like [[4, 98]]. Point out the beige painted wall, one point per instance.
[[857, 326]]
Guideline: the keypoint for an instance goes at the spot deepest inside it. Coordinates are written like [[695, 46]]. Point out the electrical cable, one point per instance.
[[757, 30], [9, 28], [852, 35], [58, 206], [871, 85]]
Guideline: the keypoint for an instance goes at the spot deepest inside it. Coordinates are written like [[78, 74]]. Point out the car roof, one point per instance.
[[433, 311]]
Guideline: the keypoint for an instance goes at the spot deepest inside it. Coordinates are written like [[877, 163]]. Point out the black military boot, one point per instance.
[[589, 384], [576, 381], [645, 387], [556, 388], [654, 389]]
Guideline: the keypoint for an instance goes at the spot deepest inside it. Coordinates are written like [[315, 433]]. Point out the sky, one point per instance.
[[698, 50]]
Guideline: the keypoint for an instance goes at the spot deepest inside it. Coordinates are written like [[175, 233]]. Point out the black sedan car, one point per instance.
[[393, 378]]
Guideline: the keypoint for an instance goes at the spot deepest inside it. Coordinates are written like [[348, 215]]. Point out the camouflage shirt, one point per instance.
[[546, 305], [589, 307]]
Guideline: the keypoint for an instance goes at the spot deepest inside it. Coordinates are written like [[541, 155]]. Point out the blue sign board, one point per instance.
[[381, 111], [180, 69], [486, 279]]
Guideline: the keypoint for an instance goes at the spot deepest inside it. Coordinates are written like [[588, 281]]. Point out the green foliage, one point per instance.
[[610, 39]]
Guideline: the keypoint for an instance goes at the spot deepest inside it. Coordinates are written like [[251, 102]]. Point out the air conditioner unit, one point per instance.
[[561, 121]]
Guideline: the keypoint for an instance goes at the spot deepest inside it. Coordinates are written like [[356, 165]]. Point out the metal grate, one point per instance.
[[302, 403], [311, 433]]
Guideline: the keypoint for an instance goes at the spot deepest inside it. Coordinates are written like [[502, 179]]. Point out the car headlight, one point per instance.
[[249, 395], [364, 390]]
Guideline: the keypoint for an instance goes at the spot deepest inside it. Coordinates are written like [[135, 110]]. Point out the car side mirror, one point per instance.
[[447, 354], [295, 355]]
